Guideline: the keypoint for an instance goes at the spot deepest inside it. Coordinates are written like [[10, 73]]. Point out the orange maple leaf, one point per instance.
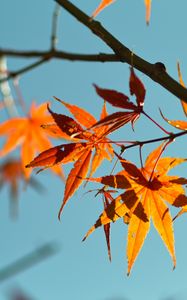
[[147, 190], [28, 133], [83, 144], [181, 125], [12, 173], [107, 200], [104, 3], [148, 10]]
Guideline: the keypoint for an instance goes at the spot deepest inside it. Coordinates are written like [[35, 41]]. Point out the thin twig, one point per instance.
[[18, 92], [52, 54], [100, 57], [158, 157], [24, 70], [5, 89], [171, 136], [54, 39]]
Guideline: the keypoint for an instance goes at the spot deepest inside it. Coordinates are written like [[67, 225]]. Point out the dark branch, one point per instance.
[[155, 71], [100, 57], [172, 136], [52, 54], [23, 70]]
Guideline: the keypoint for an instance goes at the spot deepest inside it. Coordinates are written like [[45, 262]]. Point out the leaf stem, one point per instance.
[[158, 125], [140, 143], [162, 150]]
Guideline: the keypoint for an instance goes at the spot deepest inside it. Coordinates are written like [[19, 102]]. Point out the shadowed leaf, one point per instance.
[[137, 88]]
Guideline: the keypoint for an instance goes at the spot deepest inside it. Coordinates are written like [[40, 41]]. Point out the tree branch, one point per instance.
[[52, 54], [172, 136], [100, 57], [156, 72], [23, 70]]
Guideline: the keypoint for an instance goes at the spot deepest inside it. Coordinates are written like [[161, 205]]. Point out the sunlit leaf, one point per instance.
[[148, 10], [102, 5], [147, 192], [184, 104], [182, 125]]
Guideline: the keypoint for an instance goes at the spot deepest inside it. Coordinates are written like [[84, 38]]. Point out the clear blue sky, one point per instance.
[[82, 270]]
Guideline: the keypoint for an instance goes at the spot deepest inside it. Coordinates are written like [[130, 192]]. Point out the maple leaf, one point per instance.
[[148, 10], [28, 133], [184, 104], [181, 125], [117, 99], [83, 144], [147, 192], [104, 3], [107, 200], [11, 173]]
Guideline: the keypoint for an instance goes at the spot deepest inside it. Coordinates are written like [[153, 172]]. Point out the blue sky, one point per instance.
[[82, 270]]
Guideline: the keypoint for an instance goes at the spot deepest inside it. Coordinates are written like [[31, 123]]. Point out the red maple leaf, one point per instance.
[[117, 99]]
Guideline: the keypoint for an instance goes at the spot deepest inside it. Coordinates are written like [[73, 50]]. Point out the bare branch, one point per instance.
[[100, 57], [52, 54]]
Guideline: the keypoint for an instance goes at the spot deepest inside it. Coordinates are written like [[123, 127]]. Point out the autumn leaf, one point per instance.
[[184, 104], [74, 180], [181, 125], [104, 3], [117, 99], [27, 133], [137, 88], [148, 10], [87, 149], [107, 199], [148, 191], [181, 212], [11, 174]]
